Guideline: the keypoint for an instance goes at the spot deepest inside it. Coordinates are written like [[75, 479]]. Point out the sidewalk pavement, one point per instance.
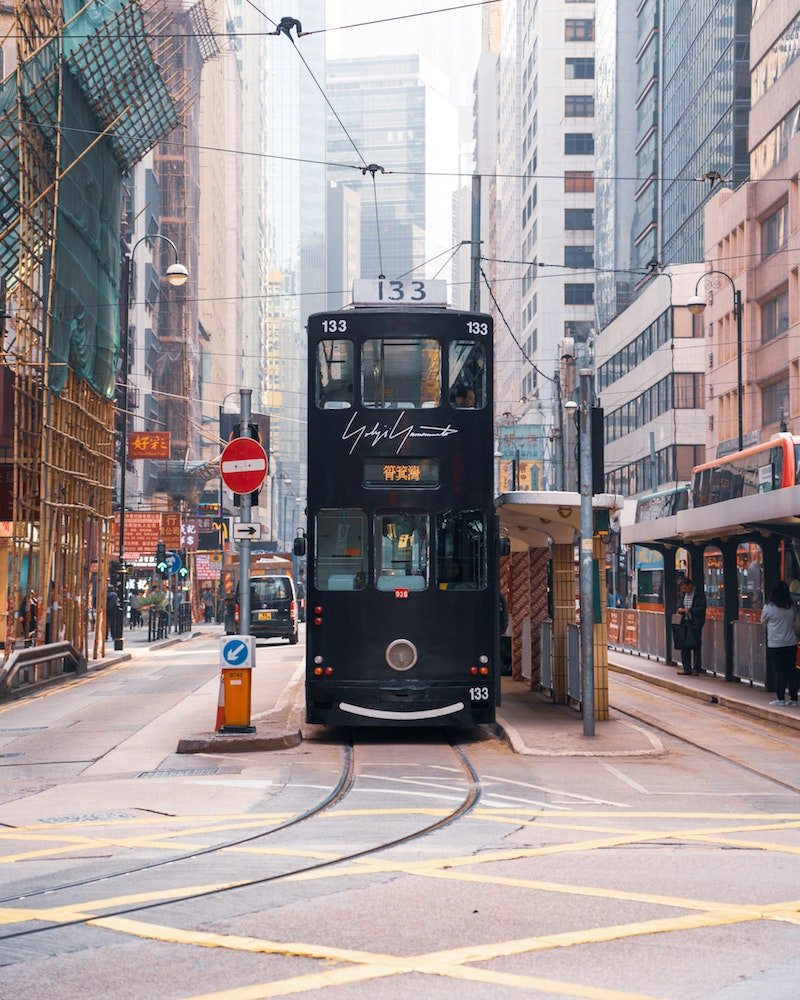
[[135, 641], [534, 726]]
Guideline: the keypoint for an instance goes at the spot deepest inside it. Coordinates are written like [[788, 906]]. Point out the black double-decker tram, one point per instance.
[[403, 601]]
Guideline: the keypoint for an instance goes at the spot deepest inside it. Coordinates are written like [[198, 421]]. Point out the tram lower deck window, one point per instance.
[[461, 550], [340, 561], [401, 551]]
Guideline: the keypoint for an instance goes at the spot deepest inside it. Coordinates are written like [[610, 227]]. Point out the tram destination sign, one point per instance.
[[243, 465], [390, 472]]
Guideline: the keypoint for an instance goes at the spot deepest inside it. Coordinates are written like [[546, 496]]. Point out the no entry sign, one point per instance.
[[243, 465]]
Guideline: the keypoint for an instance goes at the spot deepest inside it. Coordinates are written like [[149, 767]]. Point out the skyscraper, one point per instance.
[[397, 115]]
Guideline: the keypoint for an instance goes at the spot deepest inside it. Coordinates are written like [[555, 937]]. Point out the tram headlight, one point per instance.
[[483, 659], [318, 659], [401, 654]]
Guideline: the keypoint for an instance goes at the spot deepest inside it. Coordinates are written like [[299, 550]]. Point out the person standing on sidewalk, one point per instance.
[[778, 615], [693, 611]]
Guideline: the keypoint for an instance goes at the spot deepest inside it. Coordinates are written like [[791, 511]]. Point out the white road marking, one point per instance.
[[628, 781], [560, 791]]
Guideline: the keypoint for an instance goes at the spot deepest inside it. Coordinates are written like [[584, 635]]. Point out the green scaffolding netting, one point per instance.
[[84, 330], [109, 80]]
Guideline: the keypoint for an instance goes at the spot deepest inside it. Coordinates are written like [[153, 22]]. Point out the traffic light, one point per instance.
[[183, 572], [597, 435], [161, 558]]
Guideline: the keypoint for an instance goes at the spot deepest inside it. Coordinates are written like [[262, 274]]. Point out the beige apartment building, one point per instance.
[[752, 236]]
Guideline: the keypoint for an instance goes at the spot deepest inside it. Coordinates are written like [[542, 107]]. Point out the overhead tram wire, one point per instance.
[[147, 35], [523, 352], [115, 134], [536, 175], [285, 28]]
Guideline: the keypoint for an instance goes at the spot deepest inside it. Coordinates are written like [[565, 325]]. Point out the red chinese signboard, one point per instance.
[[171, 531], [142, 532], [148, 444]]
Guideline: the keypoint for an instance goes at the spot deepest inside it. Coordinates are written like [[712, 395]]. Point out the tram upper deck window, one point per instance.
[[461, 550], [401, 551], [467, 367], [335, 374], [401, 374], [340, 557]]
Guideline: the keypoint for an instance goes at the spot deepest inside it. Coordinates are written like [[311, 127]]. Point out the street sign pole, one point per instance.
[[245, 396]]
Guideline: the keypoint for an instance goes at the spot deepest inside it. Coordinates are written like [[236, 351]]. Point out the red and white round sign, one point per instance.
[[243, 465]]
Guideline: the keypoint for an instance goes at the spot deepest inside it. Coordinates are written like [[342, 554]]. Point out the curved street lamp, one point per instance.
[[696, 305], [177, 274]]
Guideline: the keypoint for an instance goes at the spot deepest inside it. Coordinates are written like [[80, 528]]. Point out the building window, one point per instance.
[[579, 69], [775, 316], [578, 144], [579, 106], [578, 294], [775, 401], [578, 218], [578, 30], [580, 329], [579, 256], [773, 231], [578, 181]]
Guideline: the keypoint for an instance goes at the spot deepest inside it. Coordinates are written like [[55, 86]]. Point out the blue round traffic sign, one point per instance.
[[173, 562], [235, 652]]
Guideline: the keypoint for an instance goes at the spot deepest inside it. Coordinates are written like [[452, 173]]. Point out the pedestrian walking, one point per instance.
[[779, 617], [208, 605]]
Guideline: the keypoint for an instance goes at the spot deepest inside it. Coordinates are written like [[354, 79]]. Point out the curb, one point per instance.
[[261, 739], [511, 735]]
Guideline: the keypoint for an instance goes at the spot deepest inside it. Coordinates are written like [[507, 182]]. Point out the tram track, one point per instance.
[[718, 731], [343, 788]]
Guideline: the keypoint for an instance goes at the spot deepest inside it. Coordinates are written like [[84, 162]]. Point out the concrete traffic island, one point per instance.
[[266, 737]]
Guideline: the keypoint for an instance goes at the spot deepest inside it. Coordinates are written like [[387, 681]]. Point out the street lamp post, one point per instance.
[[177, 275], [297, 501], [274, 522], [283, 482], [696, 305]]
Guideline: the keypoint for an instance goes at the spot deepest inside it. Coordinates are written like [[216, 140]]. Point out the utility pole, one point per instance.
[[475, 277], [586, 555], [245, 415]]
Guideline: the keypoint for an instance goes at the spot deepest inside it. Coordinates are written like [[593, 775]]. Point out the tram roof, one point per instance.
[[534, 517], [775, 511]]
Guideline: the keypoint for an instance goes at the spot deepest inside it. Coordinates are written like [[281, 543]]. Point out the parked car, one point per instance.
[[273, 608]]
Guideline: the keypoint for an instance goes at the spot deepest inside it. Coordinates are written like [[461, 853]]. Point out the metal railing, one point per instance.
[[574, 689], [750, 652], [37, 666], [546, 647]]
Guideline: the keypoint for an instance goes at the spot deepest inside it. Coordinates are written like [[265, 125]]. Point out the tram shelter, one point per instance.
[[720, 539], [539, 581]]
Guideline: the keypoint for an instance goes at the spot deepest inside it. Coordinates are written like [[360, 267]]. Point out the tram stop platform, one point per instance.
[[534, 726]]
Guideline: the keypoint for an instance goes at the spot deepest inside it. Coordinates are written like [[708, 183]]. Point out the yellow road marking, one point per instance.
[[78, 911]]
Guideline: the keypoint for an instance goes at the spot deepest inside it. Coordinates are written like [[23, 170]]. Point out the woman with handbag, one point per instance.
[[693, 618], [779, 617]]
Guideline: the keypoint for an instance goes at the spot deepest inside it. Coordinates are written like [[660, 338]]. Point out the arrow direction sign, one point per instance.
[[243, 465], [251, 531]]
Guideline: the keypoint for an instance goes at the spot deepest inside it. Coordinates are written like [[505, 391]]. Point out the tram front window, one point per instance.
[[335, 374], [401, 374], [340, 561], [401, 551]]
